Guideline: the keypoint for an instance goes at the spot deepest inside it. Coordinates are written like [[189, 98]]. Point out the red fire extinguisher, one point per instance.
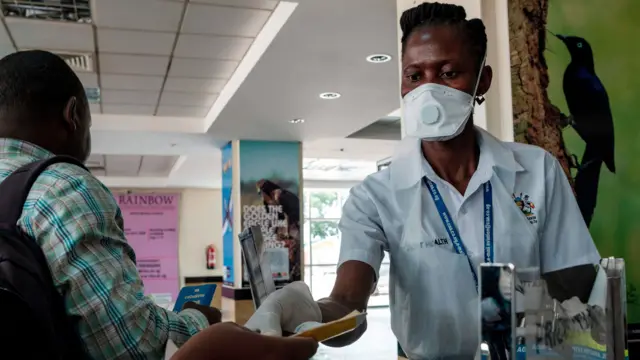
[[211, 257]]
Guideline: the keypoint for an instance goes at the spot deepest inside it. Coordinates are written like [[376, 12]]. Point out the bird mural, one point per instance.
[[590, 116]]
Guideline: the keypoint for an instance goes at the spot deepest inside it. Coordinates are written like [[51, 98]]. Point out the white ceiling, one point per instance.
[[180, 78], [131, 165], [322, 48]]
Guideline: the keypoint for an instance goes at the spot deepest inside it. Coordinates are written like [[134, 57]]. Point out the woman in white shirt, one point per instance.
[[444, 205]]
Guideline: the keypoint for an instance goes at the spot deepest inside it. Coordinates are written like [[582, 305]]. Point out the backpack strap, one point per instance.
[[15, 189]]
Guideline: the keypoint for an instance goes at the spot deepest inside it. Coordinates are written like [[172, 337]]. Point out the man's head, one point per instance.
[[439, 45], [42, 101]]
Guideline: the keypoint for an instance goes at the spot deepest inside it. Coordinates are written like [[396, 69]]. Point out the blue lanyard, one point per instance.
[[452, 231]]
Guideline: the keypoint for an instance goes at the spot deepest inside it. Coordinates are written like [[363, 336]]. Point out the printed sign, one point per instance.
[[227, 215], [270, 198], [151, 227]]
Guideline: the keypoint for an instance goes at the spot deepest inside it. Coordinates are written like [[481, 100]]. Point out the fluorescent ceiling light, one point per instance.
[[378, 58], [330, 95]]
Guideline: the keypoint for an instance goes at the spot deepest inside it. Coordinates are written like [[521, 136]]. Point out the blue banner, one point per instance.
[[227, 215]]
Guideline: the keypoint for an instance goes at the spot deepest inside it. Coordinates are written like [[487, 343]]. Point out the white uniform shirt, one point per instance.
[[433, 298]]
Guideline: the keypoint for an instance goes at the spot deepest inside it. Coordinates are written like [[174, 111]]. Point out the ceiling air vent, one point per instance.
[[78, 62], [56, 10]]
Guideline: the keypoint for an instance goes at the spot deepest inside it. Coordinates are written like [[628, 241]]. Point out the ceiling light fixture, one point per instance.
[[378, 58], [296, 121], [329, 95]]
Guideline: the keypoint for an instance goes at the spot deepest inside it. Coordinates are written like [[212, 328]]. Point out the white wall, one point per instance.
[[200, 225]]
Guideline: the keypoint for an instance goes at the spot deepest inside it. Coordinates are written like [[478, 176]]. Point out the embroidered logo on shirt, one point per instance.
[[526, 206]]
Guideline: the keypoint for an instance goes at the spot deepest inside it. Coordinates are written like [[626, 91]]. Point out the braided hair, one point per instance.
[[428, 14]]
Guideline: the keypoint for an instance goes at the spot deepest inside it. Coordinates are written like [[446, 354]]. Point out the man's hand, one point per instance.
[[229, 341], [212, 314], [285, 309]]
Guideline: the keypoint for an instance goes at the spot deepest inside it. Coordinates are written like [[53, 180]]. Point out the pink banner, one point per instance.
[[151, 226]]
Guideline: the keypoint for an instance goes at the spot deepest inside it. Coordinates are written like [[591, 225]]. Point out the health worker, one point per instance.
[[453, 197]]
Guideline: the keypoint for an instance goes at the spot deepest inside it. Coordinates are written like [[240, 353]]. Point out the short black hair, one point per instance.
[[37, 83], [434, 13]]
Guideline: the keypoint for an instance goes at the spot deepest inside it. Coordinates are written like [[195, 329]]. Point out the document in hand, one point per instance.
[[199, 294], [326, 331]]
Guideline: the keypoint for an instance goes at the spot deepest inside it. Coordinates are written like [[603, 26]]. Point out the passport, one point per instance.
[[199, 294]]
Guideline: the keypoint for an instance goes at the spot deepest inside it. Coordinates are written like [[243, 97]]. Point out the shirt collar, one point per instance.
[[10, 148], [408, 165]]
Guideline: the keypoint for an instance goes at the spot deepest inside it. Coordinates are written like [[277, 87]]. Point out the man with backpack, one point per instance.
[[68, 277]]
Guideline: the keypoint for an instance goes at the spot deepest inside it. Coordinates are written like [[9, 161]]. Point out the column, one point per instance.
[[261, 186], [499, 110]]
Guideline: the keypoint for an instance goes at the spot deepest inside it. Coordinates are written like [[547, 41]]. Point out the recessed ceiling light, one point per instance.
[[296, 121], [330, 95], [379, 58]]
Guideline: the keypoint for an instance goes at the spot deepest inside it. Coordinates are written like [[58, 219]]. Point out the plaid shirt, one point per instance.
[[78, 224]]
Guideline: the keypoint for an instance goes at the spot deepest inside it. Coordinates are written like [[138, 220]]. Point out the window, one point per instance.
[[322, 210]]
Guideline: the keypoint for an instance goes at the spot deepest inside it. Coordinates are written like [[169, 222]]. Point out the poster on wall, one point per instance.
[[270, 198], [227, 215], [151, 226], [575, 73]]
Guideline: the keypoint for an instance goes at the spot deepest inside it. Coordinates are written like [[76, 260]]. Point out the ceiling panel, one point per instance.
[[156, 165], [95, 108], [133, 64], [131, 82], [135, 42], [254, 4], [186, 99], [4, 38], [128, 97], [98, 172], [51, 35], [6, 49], [88, 79], [138, 15], [183, 111], [122, 165], [224, 20], [212, 47], [95, 160], [124, 109], [212, 86], [199, 68]]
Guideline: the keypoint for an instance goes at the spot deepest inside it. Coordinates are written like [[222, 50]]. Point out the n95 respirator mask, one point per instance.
[[435, 112]]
